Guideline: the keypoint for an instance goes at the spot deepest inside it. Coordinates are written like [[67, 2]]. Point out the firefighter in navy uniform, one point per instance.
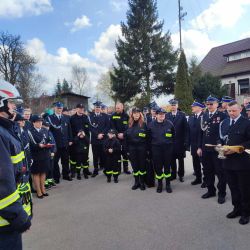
[[209, 134], [15, 195], [61, 130], [225, 100], [194, 122], [99, 126], [161, 137], [80, 122], [119, 122], [179, 120], [136, 141], [248, 111], [112, 150], [235, 131]]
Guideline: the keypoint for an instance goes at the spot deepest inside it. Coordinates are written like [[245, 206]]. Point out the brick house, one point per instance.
[[231, 62]]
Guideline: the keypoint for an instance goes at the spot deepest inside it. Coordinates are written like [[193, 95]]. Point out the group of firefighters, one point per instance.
[[152, 140]]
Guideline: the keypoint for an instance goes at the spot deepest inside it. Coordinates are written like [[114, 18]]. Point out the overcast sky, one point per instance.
[[61, 33]]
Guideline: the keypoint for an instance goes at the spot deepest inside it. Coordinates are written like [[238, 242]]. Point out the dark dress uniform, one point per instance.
[[41, 156], [79, 123], [136, 141], [112, 166], [180, 143], [119, 122], [62, 133], [209, 134], [99, 124], [194, 122], [15, 195], [81, 152], [162, 137], [237, 166]]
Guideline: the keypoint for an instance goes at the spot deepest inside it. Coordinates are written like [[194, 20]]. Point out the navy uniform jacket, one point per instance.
[[61, 130], [194, 130], [209, 132], [99, 124], [13, 217], [119, 122], [181, 133], [136, 136], [25, 140], [161, 133], [41, 137], [79, 123], [238, 134]]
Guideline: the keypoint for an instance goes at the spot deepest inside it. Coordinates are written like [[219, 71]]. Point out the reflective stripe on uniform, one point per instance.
[[136, 173], [142, 173], [125, 122], [115, 173], [159, 177], [72, 162], [17, 158], [3, 222], [78, 167], [9, 200], [116, 117], [142, 135], [168, 135], [167, 175], [109, 172], [85, 166]]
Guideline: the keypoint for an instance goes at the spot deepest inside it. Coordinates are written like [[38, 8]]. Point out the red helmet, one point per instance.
[[8, 92]]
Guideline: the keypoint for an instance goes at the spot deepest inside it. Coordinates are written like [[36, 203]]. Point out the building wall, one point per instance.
[[234, 79]]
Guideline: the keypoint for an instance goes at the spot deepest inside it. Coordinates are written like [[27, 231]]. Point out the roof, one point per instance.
[[73, 94], [216, 63]]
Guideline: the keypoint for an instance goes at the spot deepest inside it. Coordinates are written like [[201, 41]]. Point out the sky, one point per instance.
[[63, 33]]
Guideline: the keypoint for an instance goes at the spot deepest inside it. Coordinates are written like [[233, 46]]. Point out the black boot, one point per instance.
[[116, 179], [79, 176], [168, 187], [85, 173], [142, 183], [137, 183], [159, 187], [108, 178], [95, 173]]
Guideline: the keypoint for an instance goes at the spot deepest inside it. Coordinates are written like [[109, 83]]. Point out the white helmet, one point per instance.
[[9, 92]]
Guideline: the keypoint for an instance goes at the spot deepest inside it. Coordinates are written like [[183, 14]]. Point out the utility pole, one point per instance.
[[181, 18]]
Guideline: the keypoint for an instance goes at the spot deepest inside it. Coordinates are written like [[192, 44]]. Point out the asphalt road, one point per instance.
[[95, 215]]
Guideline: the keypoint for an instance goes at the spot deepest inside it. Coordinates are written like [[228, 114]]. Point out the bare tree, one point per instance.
[[104, 88], [18, 67], [79, 79], [14, 59]]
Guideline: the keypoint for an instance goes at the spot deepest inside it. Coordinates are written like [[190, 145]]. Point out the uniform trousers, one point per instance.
[[124, 154], [197, 166], [11, 241], [137, 157], [180, 167], [213, 166], [81, 161], [63, 154], [238, 182], [98, 156], [162, 156], [112, 165]]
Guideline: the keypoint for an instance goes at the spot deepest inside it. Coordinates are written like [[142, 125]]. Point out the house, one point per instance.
[[70, 100], [231, 62]]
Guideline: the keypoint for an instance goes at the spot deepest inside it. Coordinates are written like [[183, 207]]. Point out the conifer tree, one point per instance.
[[183, 87], [145, 56]]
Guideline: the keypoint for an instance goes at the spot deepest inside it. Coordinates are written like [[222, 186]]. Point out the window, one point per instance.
[[238, 56], [244, 86]]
